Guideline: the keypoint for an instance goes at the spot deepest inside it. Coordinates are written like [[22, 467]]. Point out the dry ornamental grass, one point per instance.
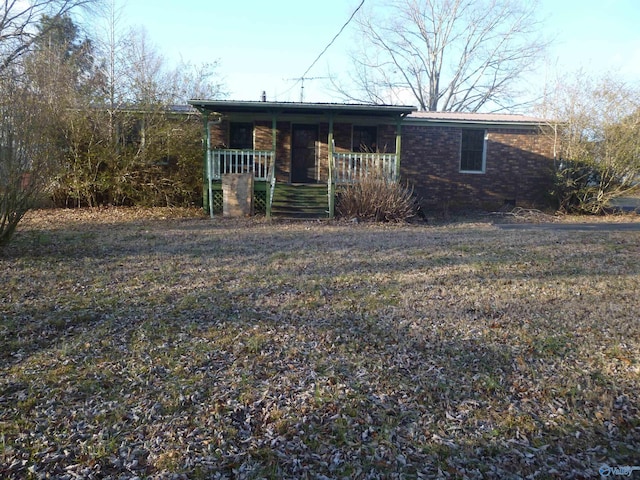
[[162, 344]]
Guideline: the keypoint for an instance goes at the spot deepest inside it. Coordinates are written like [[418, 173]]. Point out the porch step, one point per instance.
[[300, 201]]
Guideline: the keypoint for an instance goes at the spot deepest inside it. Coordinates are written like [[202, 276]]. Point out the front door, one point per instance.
[[304, 156]]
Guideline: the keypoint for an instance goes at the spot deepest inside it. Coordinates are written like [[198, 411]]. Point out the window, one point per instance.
[[241, 135], [472, 151], [364, 139]]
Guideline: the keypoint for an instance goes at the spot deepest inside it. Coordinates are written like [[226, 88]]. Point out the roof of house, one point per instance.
[[410, 113], [302, 108], [473, 118]]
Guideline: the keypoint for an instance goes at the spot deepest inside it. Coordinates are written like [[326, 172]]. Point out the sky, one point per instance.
[[268, 45]]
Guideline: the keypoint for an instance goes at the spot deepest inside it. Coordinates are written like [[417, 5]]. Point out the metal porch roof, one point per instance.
[[298, 108]]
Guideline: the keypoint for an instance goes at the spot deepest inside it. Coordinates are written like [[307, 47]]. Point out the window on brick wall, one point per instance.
[[364, 138], [473, 152], [241, 135]]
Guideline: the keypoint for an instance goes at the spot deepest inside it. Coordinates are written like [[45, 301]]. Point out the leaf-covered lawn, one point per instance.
[[163, 344]]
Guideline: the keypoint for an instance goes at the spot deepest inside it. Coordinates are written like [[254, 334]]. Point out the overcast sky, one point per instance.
[[266, 45]]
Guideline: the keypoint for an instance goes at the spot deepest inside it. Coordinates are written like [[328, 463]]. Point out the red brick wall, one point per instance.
[[518, 162], [518, 168], [342, 136], [323, 152], [387, 138], [283, 152], [262, 136], [219, 134]]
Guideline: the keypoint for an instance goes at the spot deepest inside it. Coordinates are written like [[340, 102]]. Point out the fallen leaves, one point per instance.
[[153, 344]]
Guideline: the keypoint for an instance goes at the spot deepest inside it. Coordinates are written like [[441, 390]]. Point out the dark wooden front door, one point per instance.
[[304, 154]]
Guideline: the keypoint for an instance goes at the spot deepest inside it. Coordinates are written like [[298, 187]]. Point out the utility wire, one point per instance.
[[334, 39], [304, 75]]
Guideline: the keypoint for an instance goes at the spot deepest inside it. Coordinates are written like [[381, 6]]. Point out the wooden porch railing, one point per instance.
[[350, 167], [259, 162], [240, 161]]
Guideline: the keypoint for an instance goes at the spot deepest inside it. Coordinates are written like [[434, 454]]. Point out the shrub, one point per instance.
[[588, 187], [26, 154], [156, 160], [377, 198], [597, 134]]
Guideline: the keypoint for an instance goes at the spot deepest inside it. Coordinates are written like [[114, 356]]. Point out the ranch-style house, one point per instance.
[[300, 154]]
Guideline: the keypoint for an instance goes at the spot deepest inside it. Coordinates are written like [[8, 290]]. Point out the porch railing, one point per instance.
[[259, 162], [240, 161], [350, 167]]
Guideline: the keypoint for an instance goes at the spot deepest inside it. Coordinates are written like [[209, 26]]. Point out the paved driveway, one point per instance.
[[596, 227]]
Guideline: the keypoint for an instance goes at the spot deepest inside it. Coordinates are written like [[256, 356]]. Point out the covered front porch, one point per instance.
[[297, 144]]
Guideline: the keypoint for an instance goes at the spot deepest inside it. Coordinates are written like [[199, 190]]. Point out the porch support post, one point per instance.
[[331, 186], [398, 147], [274, 131], [207, 203], [272, 167]]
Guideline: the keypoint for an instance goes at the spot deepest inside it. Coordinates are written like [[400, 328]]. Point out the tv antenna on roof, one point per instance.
[[304, 77], [301, 80]]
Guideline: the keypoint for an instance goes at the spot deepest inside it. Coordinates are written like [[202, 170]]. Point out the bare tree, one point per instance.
[[134, 71], [597, 132], [28, 150], [448, 55], [150, 80], [196, 81], [17, 21], [133, 146], [152, 88]]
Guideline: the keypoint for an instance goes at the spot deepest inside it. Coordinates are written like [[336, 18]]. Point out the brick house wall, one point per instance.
[[518, 170], [263, 141], [387, 138], [342, 136], [219, 134]]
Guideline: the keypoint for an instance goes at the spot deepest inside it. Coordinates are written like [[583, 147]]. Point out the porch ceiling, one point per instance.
[[306, 109]]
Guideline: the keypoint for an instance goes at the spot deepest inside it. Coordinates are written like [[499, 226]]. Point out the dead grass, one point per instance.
[[162, 344]]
